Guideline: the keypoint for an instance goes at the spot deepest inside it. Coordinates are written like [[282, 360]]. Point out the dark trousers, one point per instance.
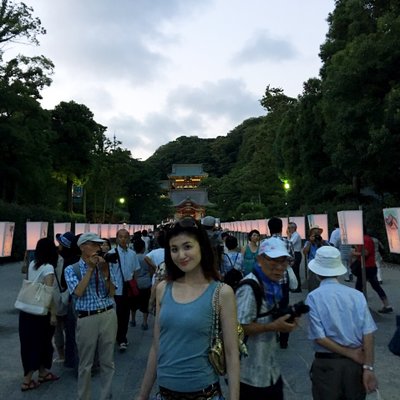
[[284, 302], [123, 310], [274, 392], [296, 268], [370, 274], [71, 350], [337, 379], [35, 334]]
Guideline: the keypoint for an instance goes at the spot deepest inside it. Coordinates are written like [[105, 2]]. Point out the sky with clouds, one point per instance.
[[154, 70]]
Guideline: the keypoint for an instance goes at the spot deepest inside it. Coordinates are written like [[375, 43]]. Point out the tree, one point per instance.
[[26, 160], [360, 82], [74, 144]]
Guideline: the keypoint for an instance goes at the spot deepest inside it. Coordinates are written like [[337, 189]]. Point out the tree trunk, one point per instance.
[[69, 196]]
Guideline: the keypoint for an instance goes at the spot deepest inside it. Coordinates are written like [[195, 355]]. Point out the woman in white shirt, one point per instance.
[[36, 331]]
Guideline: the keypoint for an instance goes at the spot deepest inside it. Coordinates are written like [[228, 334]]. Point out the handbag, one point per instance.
[[34, 297], [394, 344], [216, 353], [131, 288]]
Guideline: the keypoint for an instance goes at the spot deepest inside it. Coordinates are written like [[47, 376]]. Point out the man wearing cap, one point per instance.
[[341, 328], [93, 285], [260, 376]]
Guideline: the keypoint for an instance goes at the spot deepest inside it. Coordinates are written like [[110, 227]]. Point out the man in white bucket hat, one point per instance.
[[341, 328]]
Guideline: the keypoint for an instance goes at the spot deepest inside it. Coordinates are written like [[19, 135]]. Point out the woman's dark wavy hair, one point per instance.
[[251, 233], [193, 228], [45, 253]]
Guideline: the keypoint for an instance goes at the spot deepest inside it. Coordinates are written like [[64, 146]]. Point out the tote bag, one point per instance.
[[34, 297]]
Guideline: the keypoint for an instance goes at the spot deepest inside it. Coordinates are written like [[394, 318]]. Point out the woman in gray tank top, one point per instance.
[[179, 353]]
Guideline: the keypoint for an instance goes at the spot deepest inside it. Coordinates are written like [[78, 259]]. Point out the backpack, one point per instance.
[[233, 276], [258, 294]]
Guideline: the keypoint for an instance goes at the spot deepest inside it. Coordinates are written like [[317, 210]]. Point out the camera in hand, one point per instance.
[[295, 311], [318, 238], [109, 257]]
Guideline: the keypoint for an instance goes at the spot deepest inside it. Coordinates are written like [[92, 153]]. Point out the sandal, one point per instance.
[[29, 386], [49, 377]]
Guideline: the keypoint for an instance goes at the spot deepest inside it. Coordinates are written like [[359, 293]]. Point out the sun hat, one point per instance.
[[273, 248], [65, 239], [316, 227], [327, 262], [89, 237]]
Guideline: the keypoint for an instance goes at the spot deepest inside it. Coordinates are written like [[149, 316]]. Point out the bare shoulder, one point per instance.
[[226, 292], [160, 289]]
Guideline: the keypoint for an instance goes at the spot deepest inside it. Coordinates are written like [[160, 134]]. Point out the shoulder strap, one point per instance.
[[258, 294], [227, 256], [77, 270], [119, 264]]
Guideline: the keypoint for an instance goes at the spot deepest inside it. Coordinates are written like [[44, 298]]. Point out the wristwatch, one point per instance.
[[368, 367]]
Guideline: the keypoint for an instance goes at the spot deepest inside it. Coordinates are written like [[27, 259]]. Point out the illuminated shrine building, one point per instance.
[[187, 197]]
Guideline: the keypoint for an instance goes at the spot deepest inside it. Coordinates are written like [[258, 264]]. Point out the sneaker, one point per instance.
[[123, 346], [386, 310]]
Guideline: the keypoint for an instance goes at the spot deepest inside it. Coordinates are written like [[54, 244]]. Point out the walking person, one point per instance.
[[179, 353], [36, 331], [371, 273], [341, 328], [92, 283], [123, 267]]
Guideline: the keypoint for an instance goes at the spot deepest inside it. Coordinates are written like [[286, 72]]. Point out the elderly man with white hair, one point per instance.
[[341, 328]]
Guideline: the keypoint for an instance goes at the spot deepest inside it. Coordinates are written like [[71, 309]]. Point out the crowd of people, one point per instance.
[[177, 274]]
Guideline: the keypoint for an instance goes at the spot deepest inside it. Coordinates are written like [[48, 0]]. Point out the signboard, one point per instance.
[[391, 217], [34, 232], [6, 238], [351, 226]]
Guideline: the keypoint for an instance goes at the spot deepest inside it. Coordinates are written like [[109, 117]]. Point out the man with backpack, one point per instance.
[[257, 297]]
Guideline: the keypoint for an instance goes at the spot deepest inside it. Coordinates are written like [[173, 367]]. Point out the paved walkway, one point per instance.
[[295, 360]]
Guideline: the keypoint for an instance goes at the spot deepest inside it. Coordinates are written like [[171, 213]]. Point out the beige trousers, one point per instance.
[[92, 331]]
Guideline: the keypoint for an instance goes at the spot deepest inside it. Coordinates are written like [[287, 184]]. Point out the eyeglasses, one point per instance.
[[275, 263]]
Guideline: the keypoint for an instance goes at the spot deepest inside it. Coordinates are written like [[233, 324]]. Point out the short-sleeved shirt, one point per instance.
[[339, 313], [40, 273], [260, 368], [143, 276], [295, 239], [96, 295], [129, 264]]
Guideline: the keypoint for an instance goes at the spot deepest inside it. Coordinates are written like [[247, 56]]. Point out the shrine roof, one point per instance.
[[187, 170], [196, 196]]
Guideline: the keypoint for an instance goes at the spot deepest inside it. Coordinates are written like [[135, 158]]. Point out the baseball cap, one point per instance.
[[89, 237], [273, 247]]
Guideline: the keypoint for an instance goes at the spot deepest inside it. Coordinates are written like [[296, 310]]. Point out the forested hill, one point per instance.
[[218, 156]]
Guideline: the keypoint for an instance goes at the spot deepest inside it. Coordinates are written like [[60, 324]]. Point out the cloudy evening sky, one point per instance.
[[154, 70]]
